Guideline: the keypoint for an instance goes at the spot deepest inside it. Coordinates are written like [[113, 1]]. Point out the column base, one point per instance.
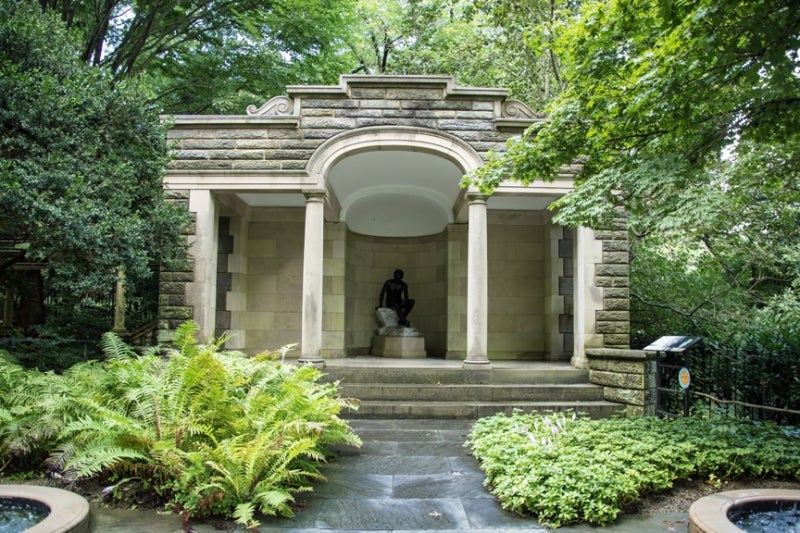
[[477, 372], [476, 364], [312, 360]]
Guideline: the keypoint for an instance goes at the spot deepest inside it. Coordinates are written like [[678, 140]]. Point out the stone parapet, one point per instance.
[[627, 377], [282, 134]]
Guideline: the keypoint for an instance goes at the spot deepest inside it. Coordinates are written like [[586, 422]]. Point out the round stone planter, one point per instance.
[[69, 512], [710, 514]]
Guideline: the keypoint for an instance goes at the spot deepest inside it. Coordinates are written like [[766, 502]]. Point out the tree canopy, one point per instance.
[[81, 163], [211, 56], [686, 118], [220, 56], [490, 43], [662, 98]]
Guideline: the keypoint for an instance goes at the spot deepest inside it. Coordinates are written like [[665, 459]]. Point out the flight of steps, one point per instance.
[[426, 391]]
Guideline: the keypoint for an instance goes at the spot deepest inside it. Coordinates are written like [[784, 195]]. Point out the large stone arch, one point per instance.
[[380, 140], [410, 138]]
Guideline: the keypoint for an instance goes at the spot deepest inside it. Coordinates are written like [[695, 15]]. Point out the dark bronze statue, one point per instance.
[[395, 291]]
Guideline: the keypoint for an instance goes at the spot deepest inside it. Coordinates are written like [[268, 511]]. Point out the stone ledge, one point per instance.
[[617, 353], [238, 121]]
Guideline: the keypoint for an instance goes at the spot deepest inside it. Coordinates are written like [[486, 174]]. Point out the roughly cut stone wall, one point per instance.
[[173, 308], [627, 377], [612, 276]]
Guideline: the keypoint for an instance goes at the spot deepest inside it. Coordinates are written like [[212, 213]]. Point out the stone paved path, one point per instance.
[[410, 475]]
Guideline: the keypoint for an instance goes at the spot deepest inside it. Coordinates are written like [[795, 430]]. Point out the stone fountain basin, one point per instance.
[[710, 513], [69, 512]]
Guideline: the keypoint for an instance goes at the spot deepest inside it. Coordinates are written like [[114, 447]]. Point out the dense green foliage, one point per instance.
[[659, 97], [567, 469], [488, 43], [685, 117], [81, 164], [211, 56], [220, 56], [212, 432]]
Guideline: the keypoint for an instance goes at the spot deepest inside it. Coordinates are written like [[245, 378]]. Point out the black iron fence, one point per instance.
[[748, 384], [753, 384], [141, 306]]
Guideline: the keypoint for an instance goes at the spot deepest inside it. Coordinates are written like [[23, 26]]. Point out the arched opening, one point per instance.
[[397, 190]]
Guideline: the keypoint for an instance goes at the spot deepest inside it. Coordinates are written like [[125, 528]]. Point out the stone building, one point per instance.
[[306, 205]]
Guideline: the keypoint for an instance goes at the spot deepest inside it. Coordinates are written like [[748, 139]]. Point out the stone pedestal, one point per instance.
[[402, 347], [394, 340]]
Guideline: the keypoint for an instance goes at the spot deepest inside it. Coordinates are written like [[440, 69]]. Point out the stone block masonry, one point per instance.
[[612, 275], [627, 376], [284, 137]]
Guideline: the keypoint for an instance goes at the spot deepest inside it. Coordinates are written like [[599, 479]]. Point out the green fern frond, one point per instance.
[[185, 340], [115, 348], [88, 462], [245, 515], [274, 502]]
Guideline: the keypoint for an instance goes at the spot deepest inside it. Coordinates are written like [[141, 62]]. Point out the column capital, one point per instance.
[[315, 195], [476, 197]]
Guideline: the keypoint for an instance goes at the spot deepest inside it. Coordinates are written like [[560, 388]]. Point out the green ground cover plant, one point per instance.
[[566, 469], [212, 432]]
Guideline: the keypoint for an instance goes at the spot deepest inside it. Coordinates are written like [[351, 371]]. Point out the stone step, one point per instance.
[[468, 392], [379, 409], [539, 374], [443, 389]]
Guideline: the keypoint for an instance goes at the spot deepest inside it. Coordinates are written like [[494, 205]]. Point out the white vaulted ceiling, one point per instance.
[[395, 193], [398, 193]]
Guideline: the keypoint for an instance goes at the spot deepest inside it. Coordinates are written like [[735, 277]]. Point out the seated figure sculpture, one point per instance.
[[395, 292]]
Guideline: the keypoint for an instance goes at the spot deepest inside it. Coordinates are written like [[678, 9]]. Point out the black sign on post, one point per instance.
[[673, 376]]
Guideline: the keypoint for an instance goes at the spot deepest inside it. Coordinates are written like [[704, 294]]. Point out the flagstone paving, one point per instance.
[[410, 475]]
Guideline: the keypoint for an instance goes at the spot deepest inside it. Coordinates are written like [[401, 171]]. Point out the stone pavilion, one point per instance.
[[304, 206]]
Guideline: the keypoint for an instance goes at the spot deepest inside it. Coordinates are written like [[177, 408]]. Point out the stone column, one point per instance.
[[311, 336], [201, 294], [119, 305], [477, 285], [588, 298]]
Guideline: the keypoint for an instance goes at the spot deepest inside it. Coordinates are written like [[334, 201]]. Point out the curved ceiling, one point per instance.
[[395, 193]]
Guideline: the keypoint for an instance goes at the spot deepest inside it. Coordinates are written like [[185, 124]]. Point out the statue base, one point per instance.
[[395, 340], [404, 347]]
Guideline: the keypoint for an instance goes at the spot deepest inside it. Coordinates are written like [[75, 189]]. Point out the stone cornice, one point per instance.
[[443, 83], [235, 121]]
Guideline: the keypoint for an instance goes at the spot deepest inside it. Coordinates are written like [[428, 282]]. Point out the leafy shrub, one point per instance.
[[569, 469], [50, 353], [751, 335], [213, 432]]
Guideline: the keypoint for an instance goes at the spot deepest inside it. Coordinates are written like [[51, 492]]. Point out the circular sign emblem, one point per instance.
[[684, 379]]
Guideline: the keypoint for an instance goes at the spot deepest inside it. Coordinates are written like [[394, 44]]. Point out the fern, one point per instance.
[[216, 431], [115, 348], [185, 340]]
